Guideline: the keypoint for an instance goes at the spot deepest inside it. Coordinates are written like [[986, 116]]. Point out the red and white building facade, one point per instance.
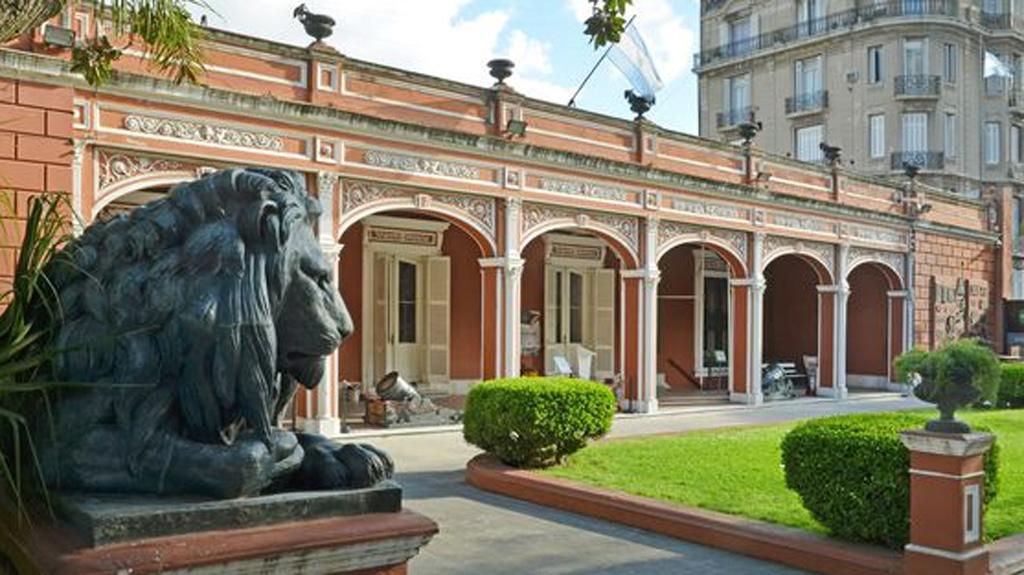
[[466, 252]]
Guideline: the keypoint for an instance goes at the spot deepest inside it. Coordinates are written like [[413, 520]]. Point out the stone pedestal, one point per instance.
[[360, 532], [947, 483]]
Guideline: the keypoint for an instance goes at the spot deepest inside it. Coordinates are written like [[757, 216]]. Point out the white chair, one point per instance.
[[584, 362], [562, 366]]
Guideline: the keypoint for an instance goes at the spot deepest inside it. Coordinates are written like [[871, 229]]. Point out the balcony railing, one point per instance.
[[825, 25], [807, 102], [730, 118], [995, 20], [919, 85], [921, 160]]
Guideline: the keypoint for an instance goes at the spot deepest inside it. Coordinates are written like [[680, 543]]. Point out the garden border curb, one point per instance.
[[781, 544]]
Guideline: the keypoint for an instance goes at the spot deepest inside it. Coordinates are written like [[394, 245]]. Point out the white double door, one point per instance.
[[579, 305], [411, 317]]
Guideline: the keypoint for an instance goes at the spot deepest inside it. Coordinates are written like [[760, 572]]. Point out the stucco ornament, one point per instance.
[[194, 318]]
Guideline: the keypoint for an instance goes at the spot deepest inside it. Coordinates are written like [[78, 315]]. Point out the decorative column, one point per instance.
[[842, 298], [79, 220], [756, 335], [513, 272], [322, 408], [649, 324], [947, 491]]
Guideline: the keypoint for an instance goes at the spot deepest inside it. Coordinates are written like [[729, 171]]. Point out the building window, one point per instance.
[[810, 17], [808, 143], [1015, 147], [949, 134], [807, 76], [407, 302], [993, 133], [949, 62], [876, 138], [915, 61], [737, 98], [874, 65], [915, 132]]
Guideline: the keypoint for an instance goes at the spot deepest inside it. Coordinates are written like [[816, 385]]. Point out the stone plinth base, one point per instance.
[[288, 533]]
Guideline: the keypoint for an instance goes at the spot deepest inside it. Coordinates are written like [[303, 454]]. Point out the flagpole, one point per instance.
[[572, 101]]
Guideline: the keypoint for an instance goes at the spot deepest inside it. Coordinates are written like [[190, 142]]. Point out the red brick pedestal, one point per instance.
[[947, 483]]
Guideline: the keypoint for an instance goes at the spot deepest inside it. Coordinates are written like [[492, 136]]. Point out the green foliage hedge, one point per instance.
[[852, 473], [1011, 386], [536, 422]]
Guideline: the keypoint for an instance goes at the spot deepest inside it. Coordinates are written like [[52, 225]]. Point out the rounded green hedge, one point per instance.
[[536, 422], [852, 473], [1011, 386]]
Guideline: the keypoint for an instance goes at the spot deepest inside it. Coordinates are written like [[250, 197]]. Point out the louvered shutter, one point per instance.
[[552, 325], [381, 319], [603, 341], [438, 315]]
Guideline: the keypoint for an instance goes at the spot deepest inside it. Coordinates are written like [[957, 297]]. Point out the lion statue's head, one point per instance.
[[218, 291]]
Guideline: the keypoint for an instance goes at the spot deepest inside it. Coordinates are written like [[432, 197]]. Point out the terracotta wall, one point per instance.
[[532, 293], [35, 156], [676, 316], [790, 311], [948, 260], [465, 304], [867, 344], [351, 279]]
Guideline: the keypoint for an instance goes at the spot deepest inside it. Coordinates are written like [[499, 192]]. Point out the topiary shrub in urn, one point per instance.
[[956, 375]]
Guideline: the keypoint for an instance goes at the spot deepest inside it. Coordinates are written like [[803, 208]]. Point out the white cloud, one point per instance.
[[432, 37]]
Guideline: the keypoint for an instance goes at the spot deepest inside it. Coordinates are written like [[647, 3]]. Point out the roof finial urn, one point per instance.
[[501, 68], [319, 26]]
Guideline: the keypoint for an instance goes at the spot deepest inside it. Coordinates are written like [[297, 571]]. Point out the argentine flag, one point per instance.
[[631, 57]]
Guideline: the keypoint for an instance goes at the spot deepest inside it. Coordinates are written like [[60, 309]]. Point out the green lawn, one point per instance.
[[738, 471]]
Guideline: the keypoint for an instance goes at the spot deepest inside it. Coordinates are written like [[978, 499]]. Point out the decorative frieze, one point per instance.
[[536, 215], [711, 209], [584, 189], [117, 167], [481, 210], [774, 246], [669, 231], [420, 165], [203, 132], [875, 235], [802, 223]]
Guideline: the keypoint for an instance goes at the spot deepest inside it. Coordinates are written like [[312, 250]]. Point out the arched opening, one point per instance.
[[798, 322], [414, 286], [572, 312], [874, 326], [128, 202], [698, 323]]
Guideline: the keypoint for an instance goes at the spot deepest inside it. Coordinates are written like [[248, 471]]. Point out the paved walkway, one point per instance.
[[483, 533]]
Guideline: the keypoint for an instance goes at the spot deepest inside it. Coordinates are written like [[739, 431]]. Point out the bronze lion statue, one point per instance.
[[192, 319]]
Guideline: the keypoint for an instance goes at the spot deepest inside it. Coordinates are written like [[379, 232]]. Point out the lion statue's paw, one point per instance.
[[330, 465]]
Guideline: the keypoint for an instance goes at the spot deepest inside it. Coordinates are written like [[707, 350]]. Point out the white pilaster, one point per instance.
[[79, 219], [756, 333], [512, 272], [842, 299], [649, 337]]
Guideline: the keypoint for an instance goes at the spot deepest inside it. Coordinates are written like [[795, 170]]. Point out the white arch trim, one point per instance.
[[589, 225], [348, 219], [107, 196], [795, 251], [855, 263], [708, 240]]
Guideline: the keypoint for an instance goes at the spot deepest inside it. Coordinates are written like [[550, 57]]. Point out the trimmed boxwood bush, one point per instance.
[[852, 473], [536, 422], [1011, 386]]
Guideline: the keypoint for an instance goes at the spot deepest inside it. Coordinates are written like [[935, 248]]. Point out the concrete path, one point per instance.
[[483, 533]]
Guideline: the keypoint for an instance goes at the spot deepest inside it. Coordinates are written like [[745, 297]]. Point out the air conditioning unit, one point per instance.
[[852, 76]]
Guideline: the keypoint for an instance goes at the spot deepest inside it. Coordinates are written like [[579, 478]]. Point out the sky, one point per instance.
[[454, 39]]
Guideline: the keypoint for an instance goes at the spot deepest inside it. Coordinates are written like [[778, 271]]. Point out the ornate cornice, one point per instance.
[[711, 209], [208, 133], [801, 223], [420, 165]]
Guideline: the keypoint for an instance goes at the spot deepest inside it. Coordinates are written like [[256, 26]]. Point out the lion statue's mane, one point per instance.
[[201, 310]]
